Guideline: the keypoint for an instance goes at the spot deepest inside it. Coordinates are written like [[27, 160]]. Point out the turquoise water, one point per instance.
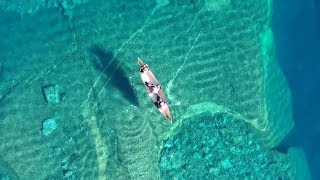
[[72, 105]]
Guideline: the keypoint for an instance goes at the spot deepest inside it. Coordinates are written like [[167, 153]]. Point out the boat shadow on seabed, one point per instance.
[[106, 63]]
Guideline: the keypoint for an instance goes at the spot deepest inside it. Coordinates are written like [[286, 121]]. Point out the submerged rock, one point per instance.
[[177, 160], [226, 164], [48, 126], [52, 94], [162, 2], [216, 5], [68, 168], [224, 155]]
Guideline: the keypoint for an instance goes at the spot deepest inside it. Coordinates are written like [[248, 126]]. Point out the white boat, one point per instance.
[[154, 90]]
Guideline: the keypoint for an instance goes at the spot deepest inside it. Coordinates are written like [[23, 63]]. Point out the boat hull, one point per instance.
[[158, 98]]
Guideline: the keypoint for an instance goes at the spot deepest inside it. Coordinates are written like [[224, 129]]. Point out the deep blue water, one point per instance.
[[296, 26]]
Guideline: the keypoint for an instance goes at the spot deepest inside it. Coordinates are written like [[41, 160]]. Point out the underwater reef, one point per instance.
[[63, 116], [219, 146]]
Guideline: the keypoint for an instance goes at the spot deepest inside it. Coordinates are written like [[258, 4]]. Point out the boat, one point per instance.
[[154, 90]]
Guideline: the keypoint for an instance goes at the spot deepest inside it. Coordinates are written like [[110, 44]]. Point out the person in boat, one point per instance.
[[144, 68], [163, 105], [158, 98], [150, 87], [153, 88], [160, 104], [156, 103]]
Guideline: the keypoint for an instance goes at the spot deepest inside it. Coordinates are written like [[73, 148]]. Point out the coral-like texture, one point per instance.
[[219, 146]]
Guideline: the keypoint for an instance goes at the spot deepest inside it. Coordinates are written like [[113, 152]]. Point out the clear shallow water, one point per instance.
[[71, 107], [296, 28]]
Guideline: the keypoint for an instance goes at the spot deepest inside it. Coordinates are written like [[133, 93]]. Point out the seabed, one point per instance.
[[69, 107]]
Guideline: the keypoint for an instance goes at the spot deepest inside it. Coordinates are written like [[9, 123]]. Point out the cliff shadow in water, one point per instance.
[[106, 63], [297, 37]]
